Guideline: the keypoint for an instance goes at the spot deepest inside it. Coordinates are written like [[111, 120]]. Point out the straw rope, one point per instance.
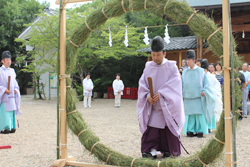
[[218, 140], [169, 25], [226, 68], [239, 112], [204, 165], [238, 79], [221, 56], [71, 112], [81, 132], [132, 162], [81, 36], [93, 147], [228, 152], [73, 43], [158, 165], [62, 76], [87, 25], [130, 5], [195, 11], [108, 159], [123, 6], [68, 86], [145, 4], [231, 162], [220, 28], [234, 162], [103, 11], [166, 6]]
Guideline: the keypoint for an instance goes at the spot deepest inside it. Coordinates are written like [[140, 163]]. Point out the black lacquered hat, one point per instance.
[[157, 44]]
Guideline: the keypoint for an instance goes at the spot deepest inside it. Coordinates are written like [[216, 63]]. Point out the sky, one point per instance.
[[54, 6]]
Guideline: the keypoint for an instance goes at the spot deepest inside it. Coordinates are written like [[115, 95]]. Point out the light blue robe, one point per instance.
[[9, 104], [198, 109]]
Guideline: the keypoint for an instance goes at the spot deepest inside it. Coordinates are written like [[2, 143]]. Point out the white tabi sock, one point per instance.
[[153, 152]]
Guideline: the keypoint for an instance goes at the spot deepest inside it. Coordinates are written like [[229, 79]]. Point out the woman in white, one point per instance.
[[87, 90], [215, 84], [118, 87]]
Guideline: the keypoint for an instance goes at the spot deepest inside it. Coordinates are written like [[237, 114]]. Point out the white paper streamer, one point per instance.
[[26, 63], [110, 40], [126, 37], [146, 39], [35, 63], [19, 65], [167, 37], [243, 34]]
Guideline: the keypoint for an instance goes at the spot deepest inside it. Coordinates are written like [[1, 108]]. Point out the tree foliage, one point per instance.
[[14, 14], [95, 55]]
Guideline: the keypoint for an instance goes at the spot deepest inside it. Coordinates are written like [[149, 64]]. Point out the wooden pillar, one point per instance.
[[180, 59], [63, 120], [199, 47], [227, 102]]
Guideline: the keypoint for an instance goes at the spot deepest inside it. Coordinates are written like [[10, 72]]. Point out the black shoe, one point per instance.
[[209, 130], [240, 118], [149, 155], [190, 134], [5, 131], [200, 134], [13, 131], [166, 154]]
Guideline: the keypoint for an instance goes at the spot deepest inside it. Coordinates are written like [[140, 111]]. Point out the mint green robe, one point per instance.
[[198, 109]]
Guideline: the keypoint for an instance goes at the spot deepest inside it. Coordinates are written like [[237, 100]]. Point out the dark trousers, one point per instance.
[[161, 140]]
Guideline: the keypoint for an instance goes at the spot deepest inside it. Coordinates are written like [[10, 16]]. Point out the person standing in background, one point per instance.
[[248, 69], [198, 98], [184, 64], [9, 96], [118, 87], [218, 73], [245, 89], [198, 62], [87, 90], [211, 68]]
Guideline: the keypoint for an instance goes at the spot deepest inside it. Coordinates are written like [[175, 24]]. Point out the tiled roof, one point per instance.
[[199, 3], [46, 10], [178, 43]]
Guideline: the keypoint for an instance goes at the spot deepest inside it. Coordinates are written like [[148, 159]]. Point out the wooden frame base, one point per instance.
[[71, 161]]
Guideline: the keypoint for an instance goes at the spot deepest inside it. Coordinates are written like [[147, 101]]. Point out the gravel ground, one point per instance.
[[34, 143]]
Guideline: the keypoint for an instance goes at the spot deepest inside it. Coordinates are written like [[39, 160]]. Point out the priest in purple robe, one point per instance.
[[161, 117], [9, 98]]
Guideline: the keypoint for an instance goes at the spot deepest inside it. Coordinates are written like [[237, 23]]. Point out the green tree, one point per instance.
[[14, 14], [43, 57]]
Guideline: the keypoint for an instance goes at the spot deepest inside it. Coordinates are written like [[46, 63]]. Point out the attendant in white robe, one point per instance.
[[87, 91], [118, 87], [217, 94], [9, 97]]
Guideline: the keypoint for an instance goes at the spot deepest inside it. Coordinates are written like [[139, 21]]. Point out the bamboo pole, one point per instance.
[[227, 102], [57, 93], [180, 57], [63, 122], [199, 47], [233, 89]]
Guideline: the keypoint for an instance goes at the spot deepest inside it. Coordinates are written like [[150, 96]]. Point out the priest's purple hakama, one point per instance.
[[161, 124]]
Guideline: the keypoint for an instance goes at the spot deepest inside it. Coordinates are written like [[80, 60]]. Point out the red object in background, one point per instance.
[[5, 147], [128, 93]]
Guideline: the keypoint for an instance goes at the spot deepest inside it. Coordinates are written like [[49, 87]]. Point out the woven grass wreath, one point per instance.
[[179, 12]]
